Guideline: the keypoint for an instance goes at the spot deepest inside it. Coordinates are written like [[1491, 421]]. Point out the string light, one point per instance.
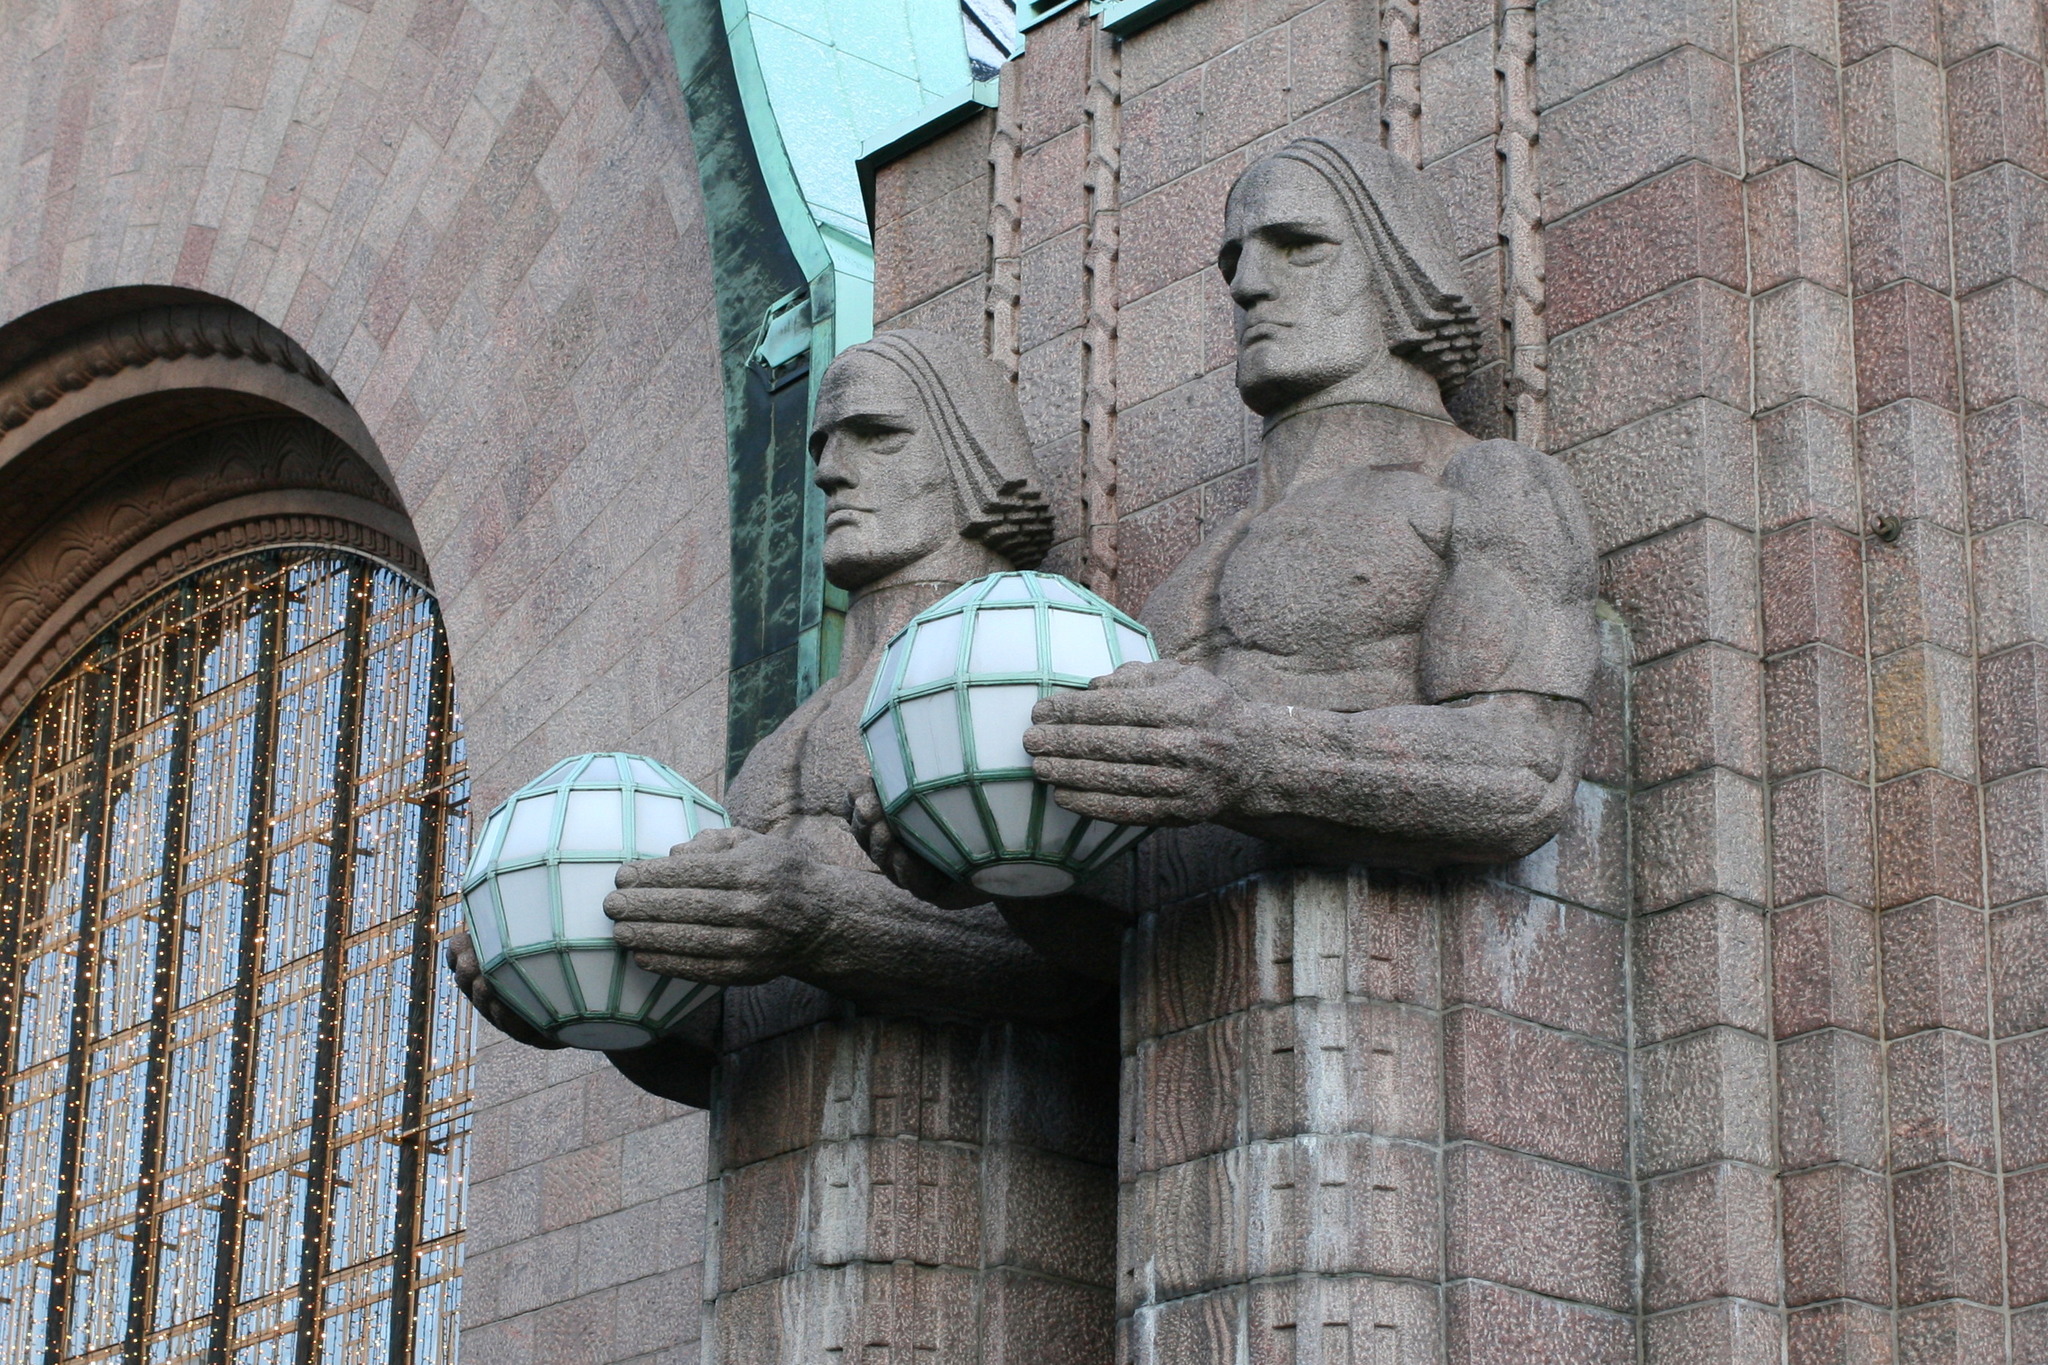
[[123, 1071]]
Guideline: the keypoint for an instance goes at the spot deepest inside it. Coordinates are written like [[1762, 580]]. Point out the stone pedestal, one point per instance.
[[894, 1191]]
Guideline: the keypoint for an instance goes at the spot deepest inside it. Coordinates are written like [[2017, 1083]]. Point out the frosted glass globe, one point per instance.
[[944, 728], [534, 897]]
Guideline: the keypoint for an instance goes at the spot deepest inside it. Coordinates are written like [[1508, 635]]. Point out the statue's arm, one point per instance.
[[1483, 771]]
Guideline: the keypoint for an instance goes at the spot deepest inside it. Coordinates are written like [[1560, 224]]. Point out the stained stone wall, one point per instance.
[[1790, 334], [484, 220]]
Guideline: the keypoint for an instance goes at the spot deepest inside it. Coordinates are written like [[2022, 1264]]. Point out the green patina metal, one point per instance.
[[783, 96]]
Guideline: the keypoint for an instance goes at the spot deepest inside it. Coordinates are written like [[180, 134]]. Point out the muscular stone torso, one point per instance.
[[1317, 599]]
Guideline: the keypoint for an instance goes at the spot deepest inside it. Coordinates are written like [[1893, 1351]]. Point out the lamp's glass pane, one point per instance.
[[1127, 838], [886, 758], [487, 842], [1079, 645], [529, 902], [584, 887], [1010, 803], [1057, 589], [593, 972], [1005, 641], [512, 988], [637, 985], [1092, 837], [1055, 826], [556, 773], [955, 806], [532, 825], [482, 907], [646, 775], [601, 769], [934, 651], [1135, 647], [932, 726], [544, 973], [659, 823], [923, 831], [709, 818], [594, 823], [1009, 588], [1001, 715], [885, 676]]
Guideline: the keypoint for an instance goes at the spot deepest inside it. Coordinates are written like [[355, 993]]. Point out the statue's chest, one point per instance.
[[1333, 569]]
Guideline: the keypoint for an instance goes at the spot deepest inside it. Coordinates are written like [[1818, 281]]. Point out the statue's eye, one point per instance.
[[1309, 252]]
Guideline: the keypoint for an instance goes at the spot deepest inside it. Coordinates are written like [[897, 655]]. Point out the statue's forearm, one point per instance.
[[1487, 780], [884, 948]]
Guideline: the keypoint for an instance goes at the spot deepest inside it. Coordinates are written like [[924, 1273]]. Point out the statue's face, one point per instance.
[[1309, 310], [889, 498]]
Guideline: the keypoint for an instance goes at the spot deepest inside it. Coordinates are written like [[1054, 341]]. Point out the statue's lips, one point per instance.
[[844, 516], [1264, 331]]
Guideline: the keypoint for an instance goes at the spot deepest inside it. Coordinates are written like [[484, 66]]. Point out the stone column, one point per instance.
[[905, 1192]]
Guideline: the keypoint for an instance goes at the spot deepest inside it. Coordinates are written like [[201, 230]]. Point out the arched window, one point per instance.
[[235, 1080]]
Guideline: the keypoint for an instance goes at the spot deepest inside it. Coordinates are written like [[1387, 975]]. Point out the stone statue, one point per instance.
[[1386, 658], [845, 1045]]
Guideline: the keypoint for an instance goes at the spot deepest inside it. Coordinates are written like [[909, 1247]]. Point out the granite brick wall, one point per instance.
[[484, 220]]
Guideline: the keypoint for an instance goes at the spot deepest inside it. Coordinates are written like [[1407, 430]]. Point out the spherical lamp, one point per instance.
[[944, 727], [534, 897]]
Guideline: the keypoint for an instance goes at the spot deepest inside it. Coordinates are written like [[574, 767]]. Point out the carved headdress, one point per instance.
[[1428, 302], [974, 413]]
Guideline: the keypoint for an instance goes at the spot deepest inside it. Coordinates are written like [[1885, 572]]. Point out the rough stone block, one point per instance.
[[1180, 42], [2024, 1102], [1721, 1332], [1998, 111], [1924, 701], [1468, 183], [1306, 1319], [1459, 106], [2026, 1237], [2016, 836], [1817, 712], [1934, 968], [1707, 1234], [1680, 107], [1837, 1236], [1682, 225], [1587, 42], [1180, 439], [2030, 1336], [1244, 93], [2001, 227], [1950, 1334], [1969, 26], [2005, 344], [1824, 964], [1926, 839], [1704, 1097], [1795, 229], [1055, 73], [1172, 232], [1338, 1205], [1898, 228], [1489, 1324], [1521, 1221], [1821, 838], [1694, 460], [1792, 110], [1812, 588], [1697, 836], [1700, 965], [1520, 1086], [2019, 990], [1905, 347], [2011, 582], [1868, 25], [1806, 456], [1188, 1095], [1333, 51], [1801, 333], [1536, 959], [1050, 180], [1587, 863], [1691, 585], [932, 248], [1912, 464], [1945, 1229], [1342, 1067], [1840, 1333], [1940, 1098], [1891, 111], [1162, 138], [1697, 709], [1831, 1100], [1805, 24], [1690, 342]]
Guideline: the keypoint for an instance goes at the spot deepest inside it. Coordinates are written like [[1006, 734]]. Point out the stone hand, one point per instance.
[[730, 907], [469, 974], [1150, 744], [901, 863]]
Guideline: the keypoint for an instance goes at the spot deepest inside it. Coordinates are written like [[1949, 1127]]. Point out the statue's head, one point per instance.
[[1338, 255], [919, 443]]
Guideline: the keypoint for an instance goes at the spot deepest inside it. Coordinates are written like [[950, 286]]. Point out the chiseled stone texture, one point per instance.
[[484, 221]]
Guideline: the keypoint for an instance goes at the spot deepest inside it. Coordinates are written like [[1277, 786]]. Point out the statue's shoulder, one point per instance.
[[1503, 469], [1520, 506]]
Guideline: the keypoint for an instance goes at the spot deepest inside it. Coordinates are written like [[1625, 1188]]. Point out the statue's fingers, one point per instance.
[[1118, 809], [1150, 707], [693, 940], [1111, 744], [680, 905], [1116, 779], [709, 970], [689, 866]]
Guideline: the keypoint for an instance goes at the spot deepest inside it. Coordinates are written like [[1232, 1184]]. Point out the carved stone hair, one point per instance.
[[974, 412], [1429, 305]]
